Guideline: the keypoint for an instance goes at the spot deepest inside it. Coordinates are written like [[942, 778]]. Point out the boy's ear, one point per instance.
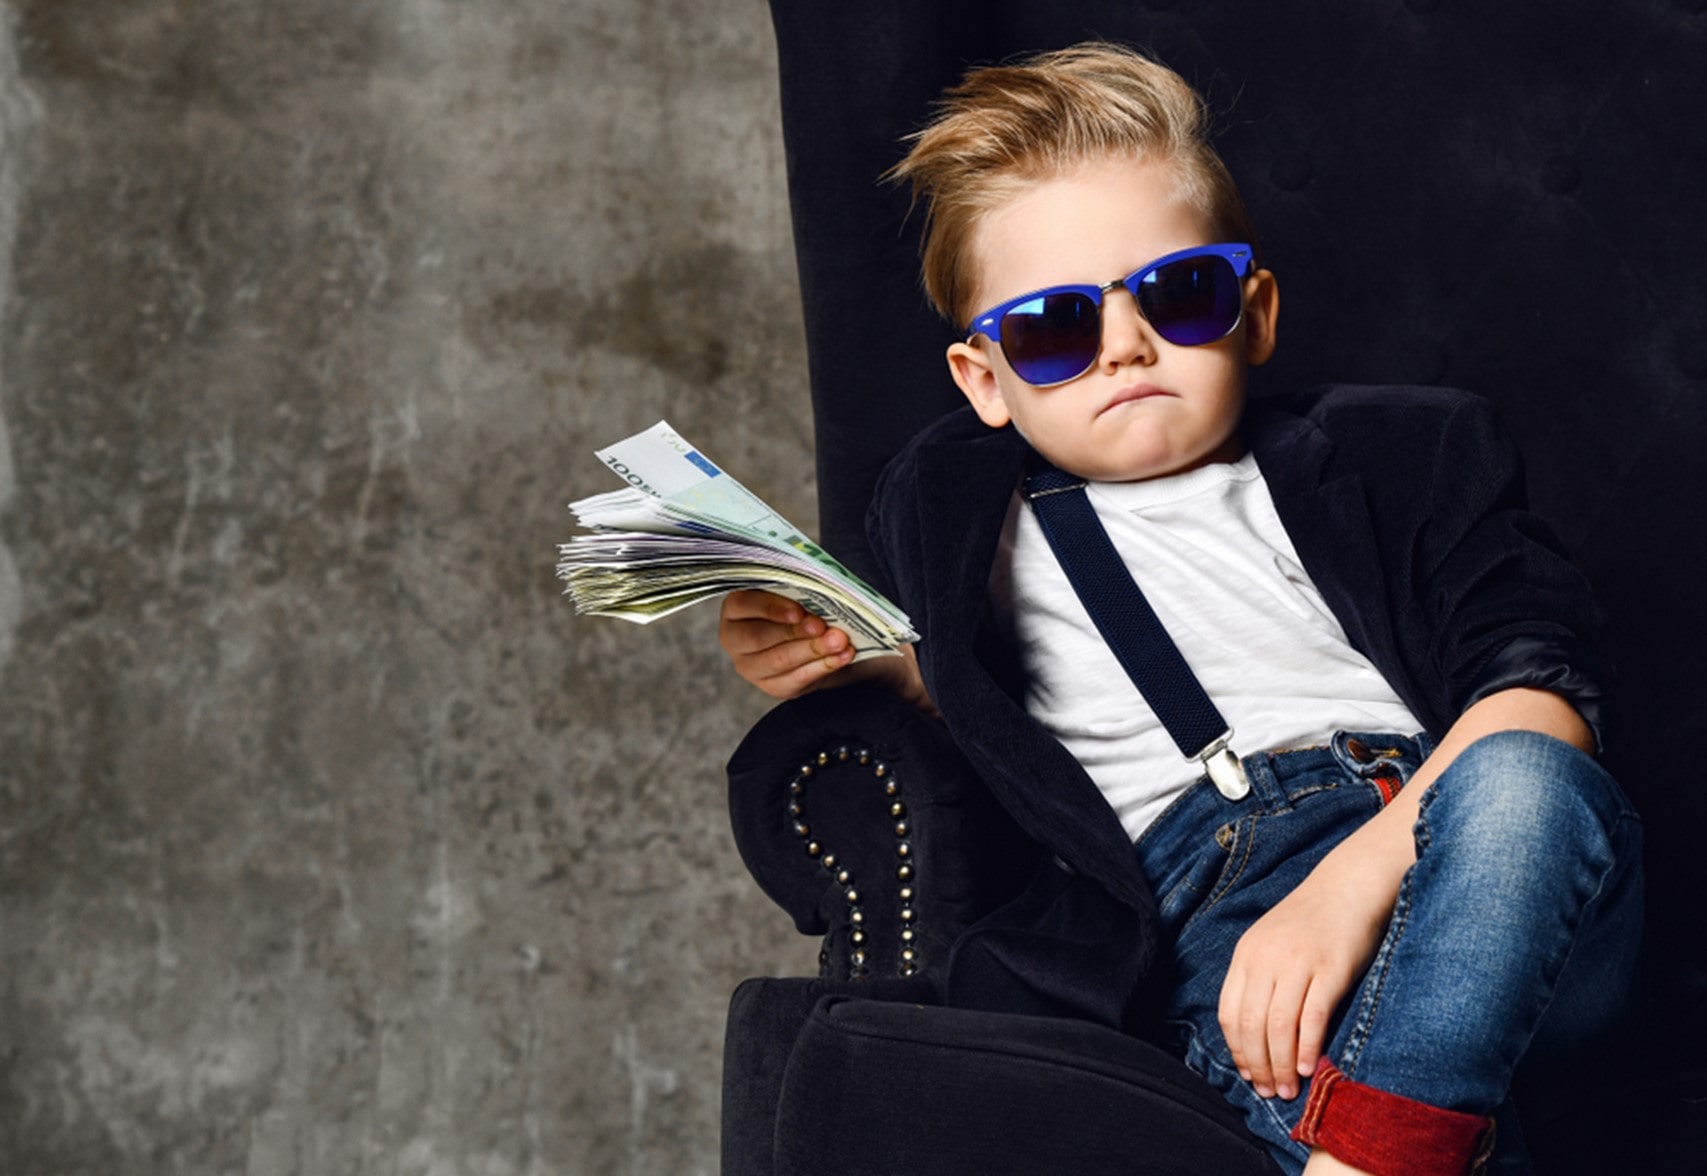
[[974, 371], [1262, 309]]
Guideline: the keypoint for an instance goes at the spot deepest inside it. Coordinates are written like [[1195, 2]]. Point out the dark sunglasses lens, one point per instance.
[[1053, 338], [1191, 301]]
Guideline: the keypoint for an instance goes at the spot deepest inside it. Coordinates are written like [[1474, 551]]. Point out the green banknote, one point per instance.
[[684, 530]]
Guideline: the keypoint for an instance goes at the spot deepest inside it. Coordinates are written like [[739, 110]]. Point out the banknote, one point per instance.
[[684, 530]]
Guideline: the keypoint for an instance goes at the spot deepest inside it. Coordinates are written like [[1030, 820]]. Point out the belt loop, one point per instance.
[[1265, 791], [1366, 755]]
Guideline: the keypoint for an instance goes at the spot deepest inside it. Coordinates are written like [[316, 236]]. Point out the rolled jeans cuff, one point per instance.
[[1388, 1134]]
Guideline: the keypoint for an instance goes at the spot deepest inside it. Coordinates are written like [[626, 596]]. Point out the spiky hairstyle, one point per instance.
[[1005, 127]]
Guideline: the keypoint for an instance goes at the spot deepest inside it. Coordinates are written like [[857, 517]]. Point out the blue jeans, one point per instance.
[[1514, 939]]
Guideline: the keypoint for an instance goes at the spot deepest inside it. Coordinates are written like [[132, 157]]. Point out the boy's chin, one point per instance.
[[1150, 466], [1142, 455]]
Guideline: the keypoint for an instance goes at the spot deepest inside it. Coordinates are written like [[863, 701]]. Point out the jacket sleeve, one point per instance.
[[1505, 606]]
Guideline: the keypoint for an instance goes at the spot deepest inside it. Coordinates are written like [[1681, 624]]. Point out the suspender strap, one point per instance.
[[1130, 626]]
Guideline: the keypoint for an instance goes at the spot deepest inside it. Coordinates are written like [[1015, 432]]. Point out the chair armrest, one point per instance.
[[857, 815]]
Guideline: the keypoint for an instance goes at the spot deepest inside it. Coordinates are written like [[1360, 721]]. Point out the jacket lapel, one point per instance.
[[966, 486]]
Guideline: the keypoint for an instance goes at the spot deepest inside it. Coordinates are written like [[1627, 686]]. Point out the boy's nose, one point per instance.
[[1126, 337]]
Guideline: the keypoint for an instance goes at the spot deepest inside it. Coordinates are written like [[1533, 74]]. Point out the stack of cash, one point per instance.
[[685, 531]]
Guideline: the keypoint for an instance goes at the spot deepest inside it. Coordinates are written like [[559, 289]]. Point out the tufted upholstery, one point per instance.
[[1506, 197]]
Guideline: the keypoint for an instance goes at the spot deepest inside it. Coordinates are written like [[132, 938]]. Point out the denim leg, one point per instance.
[[1516, 933], [1217, 867]]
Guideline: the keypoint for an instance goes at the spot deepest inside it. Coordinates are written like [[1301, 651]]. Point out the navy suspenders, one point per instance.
[[1130, 626]]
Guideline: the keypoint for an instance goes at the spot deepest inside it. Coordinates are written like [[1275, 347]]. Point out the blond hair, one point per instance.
[[1005, 127]]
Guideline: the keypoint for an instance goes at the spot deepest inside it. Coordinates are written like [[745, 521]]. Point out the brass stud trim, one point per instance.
[[907, 959]]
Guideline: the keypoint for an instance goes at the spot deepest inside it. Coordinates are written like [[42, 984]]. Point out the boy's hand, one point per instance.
[[779, 646], [786, 651], [1293, 966]]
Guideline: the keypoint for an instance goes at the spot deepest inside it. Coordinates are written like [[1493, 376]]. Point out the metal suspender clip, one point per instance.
[[1031, 494], [1224, 768]]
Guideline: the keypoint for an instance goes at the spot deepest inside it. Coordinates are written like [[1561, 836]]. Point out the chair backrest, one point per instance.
[[1502, 197]]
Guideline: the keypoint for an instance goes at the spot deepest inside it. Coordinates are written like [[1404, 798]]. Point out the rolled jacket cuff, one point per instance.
[[1388, 1134], [1560, 664]]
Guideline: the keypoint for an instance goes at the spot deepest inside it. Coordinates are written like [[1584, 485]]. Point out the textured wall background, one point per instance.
[[330, 841]]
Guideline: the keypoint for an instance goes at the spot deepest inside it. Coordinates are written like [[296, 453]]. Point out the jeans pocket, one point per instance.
[[1213, 874]]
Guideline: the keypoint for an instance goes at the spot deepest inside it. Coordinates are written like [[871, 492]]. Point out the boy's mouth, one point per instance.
[[1135, 393]]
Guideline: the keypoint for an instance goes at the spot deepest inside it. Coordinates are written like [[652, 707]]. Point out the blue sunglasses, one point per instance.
[[1053, 335]]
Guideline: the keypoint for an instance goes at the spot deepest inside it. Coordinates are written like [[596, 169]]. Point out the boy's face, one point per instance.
[[1146, 407]]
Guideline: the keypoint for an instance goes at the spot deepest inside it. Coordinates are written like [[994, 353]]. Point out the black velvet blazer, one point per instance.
[[1407, 508]]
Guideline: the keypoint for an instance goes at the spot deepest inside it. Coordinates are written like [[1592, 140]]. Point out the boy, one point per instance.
[[1362, 935]]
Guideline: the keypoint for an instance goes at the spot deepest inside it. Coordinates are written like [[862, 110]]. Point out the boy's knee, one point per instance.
[[1516, 787]]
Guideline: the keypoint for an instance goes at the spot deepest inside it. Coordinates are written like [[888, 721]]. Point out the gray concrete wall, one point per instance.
[[330, 840]]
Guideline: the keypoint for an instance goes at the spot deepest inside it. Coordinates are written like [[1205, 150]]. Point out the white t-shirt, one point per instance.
[[1212, 558]]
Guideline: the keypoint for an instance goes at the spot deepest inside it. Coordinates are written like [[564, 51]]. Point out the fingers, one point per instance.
[[752, 621], [1283, 1013], [1231, 1014], [1291, 968], [778, 646], [1313, 1022], [1244, 1014], [750, 604], [797, 667], [1261, 1015]]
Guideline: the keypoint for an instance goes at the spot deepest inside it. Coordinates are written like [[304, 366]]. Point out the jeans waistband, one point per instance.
[[1281, 776], [1278, 776]]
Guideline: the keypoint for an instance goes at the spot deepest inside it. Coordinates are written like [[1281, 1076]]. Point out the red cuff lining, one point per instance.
[[1388, 1134]]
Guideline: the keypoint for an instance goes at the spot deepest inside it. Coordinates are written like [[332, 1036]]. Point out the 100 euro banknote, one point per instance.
[[684, 531]]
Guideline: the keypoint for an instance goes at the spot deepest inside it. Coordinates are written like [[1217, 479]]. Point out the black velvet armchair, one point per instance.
[[1503, 197]]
